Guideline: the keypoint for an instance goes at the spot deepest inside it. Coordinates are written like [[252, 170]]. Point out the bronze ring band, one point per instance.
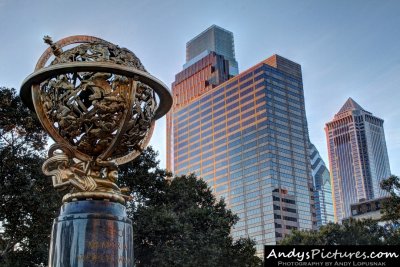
[[42, 74]]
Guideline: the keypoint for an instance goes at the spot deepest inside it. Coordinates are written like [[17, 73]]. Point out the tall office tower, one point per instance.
[[200, 77], [214, 39], [358, 157], [248, 139], [322, 188]]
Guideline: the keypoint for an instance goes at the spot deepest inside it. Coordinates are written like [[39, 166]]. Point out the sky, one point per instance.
[[346, 48]]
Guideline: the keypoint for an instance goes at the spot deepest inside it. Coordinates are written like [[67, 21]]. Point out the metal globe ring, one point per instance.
[[42, 74]]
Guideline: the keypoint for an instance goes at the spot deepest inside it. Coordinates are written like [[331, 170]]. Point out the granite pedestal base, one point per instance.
[[91, 233]]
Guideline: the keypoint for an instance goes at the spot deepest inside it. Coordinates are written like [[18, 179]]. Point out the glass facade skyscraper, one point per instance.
[[322, 188], [248, 139], [198, 78], [214, 39], [358, 157]]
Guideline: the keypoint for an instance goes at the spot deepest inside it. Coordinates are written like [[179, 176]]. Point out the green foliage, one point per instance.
[[391, 209], [386, 231], [26, 203], [350, 232], [144, 178], [176, 222]]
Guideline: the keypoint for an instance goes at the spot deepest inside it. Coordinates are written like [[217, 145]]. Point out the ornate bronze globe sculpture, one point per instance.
[[99, 104]]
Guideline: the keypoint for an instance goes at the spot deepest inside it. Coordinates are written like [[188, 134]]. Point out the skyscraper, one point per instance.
[[247, 137], [322, 188], [358, 157], [214, 39], [196, 79]]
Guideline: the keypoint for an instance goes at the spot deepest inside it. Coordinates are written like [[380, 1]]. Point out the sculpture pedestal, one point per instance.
[[91, 233]]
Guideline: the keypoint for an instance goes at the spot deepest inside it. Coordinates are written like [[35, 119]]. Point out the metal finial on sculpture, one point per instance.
[[99, 104], [56, 50]]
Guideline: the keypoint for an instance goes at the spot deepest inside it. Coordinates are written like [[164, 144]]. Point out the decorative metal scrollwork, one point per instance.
[[99, 104]]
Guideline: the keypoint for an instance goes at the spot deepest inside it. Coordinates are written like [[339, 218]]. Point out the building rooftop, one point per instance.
[[213, 39], [350, 105], [209, 29]]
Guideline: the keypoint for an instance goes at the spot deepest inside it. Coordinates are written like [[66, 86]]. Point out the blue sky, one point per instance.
[[346, 48]]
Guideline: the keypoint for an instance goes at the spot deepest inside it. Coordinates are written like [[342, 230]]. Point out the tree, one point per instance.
[[176, 222], [385, 231], [179, 222], [391, 208], [26, 203], [350, 232], [145, 179]]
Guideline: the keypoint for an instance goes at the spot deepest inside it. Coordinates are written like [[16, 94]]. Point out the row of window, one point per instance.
[[219, 123], [293, 85], [205, 109]]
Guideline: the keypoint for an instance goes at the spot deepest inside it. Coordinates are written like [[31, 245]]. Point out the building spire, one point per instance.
[[350, 105]]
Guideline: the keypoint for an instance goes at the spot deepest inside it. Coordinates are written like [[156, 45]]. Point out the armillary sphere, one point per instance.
[[99, 104]]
